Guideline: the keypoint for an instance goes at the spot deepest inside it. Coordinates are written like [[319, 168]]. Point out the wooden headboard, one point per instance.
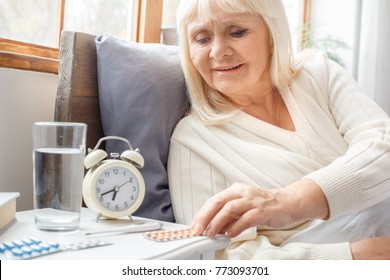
[[77, 93]]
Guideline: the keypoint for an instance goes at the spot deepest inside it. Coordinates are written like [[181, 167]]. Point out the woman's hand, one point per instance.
[[376, 248], [241, 206]]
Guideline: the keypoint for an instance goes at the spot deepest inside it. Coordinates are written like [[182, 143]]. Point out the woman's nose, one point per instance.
[[220, 48]]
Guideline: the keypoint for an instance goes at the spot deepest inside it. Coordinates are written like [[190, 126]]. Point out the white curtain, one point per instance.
[[373, 72]]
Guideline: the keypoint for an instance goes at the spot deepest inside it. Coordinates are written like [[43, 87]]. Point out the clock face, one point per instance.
[[117, 188]]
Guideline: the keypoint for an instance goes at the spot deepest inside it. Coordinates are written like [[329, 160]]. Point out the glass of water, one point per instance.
[[58, 161]]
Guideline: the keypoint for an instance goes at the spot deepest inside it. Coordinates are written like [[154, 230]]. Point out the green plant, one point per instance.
[[329, 43]]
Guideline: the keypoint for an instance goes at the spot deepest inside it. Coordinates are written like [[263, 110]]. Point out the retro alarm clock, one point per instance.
[[114, 187]]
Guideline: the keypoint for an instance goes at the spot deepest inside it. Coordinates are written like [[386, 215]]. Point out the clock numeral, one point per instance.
[[132, 197], [134, 188], [107, 174], [126, 204], [108, 204], [117, 207], [131, 179], [101, 181], [98, 190], [116, 171]]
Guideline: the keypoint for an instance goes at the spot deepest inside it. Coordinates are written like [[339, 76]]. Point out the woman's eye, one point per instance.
[[238, 33], [201, 40]]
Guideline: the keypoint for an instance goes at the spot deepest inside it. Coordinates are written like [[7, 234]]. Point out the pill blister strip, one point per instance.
[[170, 235], [28, 248]]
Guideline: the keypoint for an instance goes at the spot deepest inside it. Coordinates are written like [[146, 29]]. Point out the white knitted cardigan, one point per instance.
[[341, 141]]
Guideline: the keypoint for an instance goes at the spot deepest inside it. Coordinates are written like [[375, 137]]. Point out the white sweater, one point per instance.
[[342, 142]]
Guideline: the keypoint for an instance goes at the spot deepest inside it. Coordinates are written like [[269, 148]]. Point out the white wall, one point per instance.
[[337, 18], [25, 97]]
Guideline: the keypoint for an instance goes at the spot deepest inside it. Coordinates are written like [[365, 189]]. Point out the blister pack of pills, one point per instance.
[[170, 235], [28, 248]]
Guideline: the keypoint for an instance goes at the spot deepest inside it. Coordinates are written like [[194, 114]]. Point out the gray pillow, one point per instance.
[[142, 96]]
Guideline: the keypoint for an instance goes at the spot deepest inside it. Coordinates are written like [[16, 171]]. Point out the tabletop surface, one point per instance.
[[124, 246]]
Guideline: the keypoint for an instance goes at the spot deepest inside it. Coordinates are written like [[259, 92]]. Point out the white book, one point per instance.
[[7, 209]]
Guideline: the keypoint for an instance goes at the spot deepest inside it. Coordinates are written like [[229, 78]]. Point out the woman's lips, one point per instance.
[[227, 68]]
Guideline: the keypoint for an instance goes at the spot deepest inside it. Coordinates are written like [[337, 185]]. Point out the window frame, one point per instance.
[[147, 18]]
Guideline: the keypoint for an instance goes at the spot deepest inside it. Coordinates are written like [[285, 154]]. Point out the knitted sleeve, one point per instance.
[[360, 178]]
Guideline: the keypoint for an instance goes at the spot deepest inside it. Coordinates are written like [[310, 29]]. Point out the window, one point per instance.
[[295, 11], [29, 21], [99, 16], [30, 30]]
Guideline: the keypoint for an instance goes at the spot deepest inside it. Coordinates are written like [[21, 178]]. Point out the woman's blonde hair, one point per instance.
[[209, 105]]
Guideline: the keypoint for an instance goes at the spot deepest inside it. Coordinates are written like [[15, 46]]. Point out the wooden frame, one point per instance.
[[147, 20], [24, 56], [306, 11], [61, 17]]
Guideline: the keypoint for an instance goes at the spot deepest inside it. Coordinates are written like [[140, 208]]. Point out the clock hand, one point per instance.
[[114, 194], [116, 189], [123, 184], [107, 192]]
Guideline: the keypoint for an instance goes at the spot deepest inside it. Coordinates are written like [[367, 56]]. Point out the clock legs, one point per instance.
[[99, 215]]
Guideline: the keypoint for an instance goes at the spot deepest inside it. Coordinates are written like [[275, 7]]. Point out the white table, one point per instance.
[[125, 246]]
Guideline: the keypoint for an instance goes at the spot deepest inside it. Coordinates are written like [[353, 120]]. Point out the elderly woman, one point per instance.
[[274, 142]]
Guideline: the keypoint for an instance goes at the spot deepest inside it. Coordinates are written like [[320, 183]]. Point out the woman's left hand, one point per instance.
[[242, 206], [376, 248]]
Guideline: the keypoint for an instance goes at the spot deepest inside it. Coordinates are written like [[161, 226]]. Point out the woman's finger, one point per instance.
[[247, 220], [230, 212], [210, 209]]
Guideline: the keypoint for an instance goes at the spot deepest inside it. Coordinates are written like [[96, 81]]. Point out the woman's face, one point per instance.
[[232, 54]]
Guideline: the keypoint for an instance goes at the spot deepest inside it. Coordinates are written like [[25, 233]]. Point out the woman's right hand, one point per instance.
[[242, 206], [375, 248]]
